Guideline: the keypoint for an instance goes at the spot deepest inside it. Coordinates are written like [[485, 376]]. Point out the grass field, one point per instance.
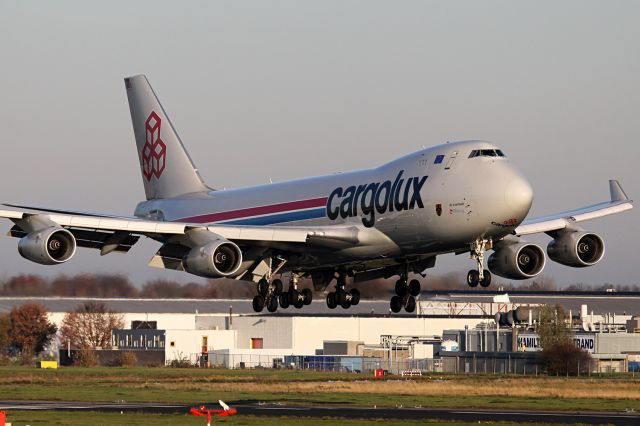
[[301, 387], [92, 418]]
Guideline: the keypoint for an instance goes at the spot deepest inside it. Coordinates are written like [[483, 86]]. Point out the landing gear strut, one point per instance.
[[341, 297], [479, 276], [406, 292], [268, 290], [295, 297]]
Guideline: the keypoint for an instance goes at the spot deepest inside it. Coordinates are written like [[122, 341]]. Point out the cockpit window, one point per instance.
[[486, 153]]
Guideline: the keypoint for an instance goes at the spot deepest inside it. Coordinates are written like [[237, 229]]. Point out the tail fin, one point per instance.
[[167, 169]]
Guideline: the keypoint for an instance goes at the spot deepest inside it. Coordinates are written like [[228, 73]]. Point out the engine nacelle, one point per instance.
[[217, 259], [50, 246], [517, 261], [577, 249]]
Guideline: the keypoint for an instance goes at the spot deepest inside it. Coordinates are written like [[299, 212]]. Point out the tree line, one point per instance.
[[120, 286]]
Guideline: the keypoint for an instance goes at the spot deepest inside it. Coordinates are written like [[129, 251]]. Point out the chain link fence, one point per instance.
[[463, 363]]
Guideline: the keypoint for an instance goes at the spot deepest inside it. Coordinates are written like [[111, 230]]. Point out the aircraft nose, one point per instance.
[[518, 195]]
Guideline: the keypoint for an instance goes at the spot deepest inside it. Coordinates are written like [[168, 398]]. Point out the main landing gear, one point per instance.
[[406, 292], [479, 276], [271, 294], [341, 297], [295, 297]]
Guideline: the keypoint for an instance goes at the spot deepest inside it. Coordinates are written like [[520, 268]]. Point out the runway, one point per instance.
[[415, 413]]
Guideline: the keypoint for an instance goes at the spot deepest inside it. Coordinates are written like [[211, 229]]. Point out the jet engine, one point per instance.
[[50, 246], [517, 260], [576, 248], [220, 258]]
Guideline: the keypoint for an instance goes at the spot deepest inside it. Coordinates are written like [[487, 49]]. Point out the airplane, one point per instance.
[[390, 220]]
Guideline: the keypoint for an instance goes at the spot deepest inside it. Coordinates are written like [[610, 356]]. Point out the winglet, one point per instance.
[[617, 193]]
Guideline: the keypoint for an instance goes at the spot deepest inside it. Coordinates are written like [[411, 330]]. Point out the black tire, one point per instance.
[[263, 287], [401, 288], [355, 296], [332, 301], [284, 300], [396, 304], [272, 306], [258, 303], [410, 304], [473, 278], [298, 304], [277, 286], [414, 287], [341, 296], [346, 304], [308, 296], [486, 278]]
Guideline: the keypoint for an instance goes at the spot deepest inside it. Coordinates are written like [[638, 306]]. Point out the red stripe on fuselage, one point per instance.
[[257, 211]]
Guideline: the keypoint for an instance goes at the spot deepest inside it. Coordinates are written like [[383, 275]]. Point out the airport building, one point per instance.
[[446, 326]]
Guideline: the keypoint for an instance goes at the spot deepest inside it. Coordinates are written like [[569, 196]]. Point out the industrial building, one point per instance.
[[228, 333]]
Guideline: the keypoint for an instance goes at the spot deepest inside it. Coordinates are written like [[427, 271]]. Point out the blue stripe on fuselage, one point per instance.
[[279, 218]]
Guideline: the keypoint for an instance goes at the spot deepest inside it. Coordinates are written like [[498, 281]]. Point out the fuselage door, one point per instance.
[[453, 156]]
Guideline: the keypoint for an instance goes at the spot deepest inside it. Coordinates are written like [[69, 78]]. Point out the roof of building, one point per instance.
[[598, 302]]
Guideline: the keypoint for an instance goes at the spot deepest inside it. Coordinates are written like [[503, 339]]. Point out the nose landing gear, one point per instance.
[[341, 296], [479, 276], [406, 292]]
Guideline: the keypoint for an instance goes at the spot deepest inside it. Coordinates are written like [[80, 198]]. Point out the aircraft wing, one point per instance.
[[618, 203], [96, 231]]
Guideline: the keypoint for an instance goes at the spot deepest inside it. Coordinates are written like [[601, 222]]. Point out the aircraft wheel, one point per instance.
[[277, 286], [486, 278], [263, 286], [346, 304], [272, 306], [355, 296], [332, 301], [258, 303], [473, 278], [401, 288], [298, 304], [410, 305], [414, 287], [308, 296], [396, 304], [284, 300], [341, 296]]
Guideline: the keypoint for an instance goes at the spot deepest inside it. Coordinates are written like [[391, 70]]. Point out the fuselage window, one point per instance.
[[439, 159]]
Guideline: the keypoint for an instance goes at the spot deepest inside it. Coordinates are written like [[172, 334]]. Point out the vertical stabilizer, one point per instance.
[[167, 169]]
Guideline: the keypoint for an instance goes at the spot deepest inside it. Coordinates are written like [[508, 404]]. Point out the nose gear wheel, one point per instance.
[[480, 275]]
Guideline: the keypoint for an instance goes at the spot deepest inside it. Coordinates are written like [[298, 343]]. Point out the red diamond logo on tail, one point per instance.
[[154, 151]]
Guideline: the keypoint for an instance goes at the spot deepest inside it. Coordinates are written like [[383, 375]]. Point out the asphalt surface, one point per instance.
[[415, 413], [598, 302]]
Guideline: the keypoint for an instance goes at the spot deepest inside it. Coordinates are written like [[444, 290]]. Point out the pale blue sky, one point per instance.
[[286, 89]]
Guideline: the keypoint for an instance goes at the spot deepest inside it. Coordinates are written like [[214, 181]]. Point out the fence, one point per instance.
[[514, 363], [337, 363]]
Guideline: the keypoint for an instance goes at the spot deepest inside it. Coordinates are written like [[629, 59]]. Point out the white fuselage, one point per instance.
[[432, 201]]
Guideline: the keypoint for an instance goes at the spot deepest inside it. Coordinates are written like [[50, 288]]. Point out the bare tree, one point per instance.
[[89, 326]]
